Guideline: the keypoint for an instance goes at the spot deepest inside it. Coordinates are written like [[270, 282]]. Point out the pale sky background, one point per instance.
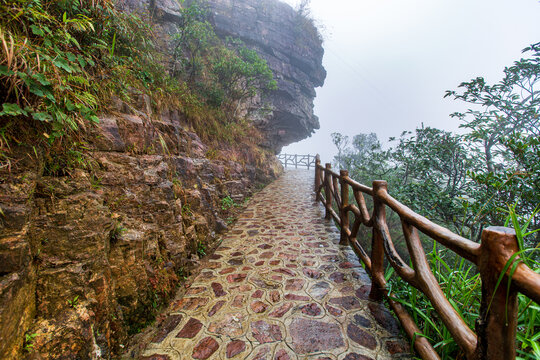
[[389, 62]]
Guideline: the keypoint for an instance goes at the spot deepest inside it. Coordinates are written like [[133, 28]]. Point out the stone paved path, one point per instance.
[[279, 287]]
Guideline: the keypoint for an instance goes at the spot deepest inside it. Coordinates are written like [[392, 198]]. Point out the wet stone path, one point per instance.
[[279, 287]]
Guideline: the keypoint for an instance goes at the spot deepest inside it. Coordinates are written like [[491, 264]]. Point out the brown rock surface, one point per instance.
[[166, 327], [265, 332], [258, 307], [292, 48], [229, 325], [281, 310], [361, 337], [102, 249], [205, 348], [235, 347], [191, 329], [311, 336]]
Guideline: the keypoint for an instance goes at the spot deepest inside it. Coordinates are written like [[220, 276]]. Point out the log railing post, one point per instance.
[[496, 326], [377, 245], [317, 175], [295, 161], [327, 192], [343, 214]]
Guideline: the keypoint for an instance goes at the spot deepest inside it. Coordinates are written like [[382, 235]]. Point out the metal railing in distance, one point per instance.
[[495, 336], [297, 160]]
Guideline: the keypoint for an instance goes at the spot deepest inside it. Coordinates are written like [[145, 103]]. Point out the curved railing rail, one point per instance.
[[495, 335], [297, 160]]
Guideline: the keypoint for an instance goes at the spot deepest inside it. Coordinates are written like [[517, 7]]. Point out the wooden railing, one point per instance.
[[297, 160], [495, 336]]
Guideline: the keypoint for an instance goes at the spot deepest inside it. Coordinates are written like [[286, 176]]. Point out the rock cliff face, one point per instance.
[[293, 49], [289, 43], [86, 255], [85, 258]]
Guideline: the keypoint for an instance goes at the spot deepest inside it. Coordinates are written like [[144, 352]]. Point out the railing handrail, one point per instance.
[[496, 327], [312, 156], [307, 160]]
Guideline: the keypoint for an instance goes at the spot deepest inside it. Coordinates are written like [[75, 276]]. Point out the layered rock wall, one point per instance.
[[87, 254], [292, 47], [85, 258], [286, 39]]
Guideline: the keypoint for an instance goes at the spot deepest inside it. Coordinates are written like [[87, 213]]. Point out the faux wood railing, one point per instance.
[[297, 160], [495, 336]]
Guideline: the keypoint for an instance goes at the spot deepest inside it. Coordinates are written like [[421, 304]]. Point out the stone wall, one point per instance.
[[88, 255], [86, 258]]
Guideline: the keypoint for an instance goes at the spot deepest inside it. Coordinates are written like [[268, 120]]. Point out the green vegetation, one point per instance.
[[63, 62], [461, 285], [29, 341], [464, 181], [73, 302], [201, 249], [227, 202], [63, 59], [186, 211], [489, 176]]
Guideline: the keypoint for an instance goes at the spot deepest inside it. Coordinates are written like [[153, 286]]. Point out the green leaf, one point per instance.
[[71, 56], [50, 96], [42, 116], [63, 64], [42, 79], [4, 71], [81, 60], [75, 42], [37, 30], [70, 106], [12, 109], [36, 91], [94, 119]]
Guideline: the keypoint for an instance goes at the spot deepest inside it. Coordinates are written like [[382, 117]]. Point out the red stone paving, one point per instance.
[[279, 287], [192, 328], [235, 347], [169, 324], [205, 348], [216, 308]]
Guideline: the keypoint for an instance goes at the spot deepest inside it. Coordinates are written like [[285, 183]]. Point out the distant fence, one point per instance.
[[495, 336], [297, 160]]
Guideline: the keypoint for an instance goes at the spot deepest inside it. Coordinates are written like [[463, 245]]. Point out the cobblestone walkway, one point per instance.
[[279, 287]]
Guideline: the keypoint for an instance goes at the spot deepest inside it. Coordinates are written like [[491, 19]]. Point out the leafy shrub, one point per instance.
[[224, 73], [240, 72], [227, 202]]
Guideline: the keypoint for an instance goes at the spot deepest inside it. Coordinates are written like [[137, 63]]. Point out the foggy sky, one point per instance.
[[389, 62]]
